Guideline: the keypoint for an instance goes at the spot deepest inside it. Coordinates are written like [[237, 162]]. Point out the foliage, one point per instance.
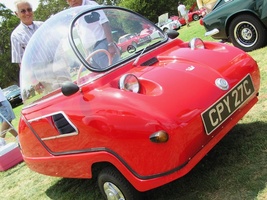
[[9, 73], [154, 8], [48, 8]]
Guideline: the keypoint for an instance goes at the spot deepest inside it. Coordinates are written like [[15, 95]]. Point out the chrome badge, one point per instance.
[[222, 84]]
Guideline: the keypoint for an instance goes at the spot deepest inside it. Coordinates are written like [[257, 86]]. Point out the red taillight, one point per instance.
[[201, 21]]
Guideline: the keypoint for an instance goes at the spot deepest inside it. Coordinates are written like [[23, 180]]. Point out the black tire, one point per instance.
[[195, 17], [111, 181], [247, 33], [165, 30]]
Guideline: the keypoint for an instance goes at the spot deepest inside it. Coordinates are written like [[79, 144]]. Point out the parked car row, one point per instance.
[[243, 23], [13, 95], [174, 22]]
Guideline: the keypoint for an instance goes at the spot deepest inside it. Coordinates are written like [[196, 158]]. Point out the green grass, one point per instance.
[[235, 169]]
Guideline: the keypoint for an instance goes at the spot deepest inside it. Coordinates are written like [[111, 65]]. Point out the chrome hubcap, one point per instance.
[[246, 34], [113, 192]]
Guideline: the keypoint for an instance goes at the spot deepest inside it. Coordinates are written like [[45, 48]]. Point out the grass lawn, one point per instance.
[[235, 169]]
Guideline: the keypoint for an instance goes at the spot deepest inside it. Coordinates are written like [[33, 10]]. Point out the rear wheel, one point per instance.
[[165, 30], [247, 33], [195, 17], [114, 186]]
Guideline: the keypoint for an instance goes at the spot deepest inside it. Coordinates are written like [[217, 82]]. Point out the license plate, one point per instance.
[[221, 110]]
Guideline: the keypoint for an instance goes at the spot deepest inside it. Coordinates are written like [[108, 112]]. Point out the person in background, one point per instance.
[[207, 4], [182, 12], [6, 117], [24, 31], [102, 32]]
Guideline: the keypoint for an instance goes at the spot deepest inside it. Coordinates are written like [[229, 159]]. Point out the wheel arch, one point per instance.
[[128, 174], [96, 168], [244, 12]]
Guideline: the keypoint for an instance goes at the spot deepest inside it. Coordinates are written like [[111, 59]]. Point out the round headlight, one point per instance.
[[129, 82], [196, 43]]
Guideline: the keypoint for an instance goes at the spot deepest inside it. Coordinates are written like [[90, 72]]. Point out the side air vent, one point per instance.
[[62, 124]]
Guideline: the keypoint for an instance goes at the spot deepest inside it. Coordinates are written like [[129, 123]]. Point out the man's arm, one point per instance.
[[16, 50], [111, 45]]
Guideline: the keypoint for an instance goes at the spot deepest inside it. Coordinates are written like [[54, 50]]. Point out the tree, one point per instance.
[[151, 9], [9, 73], [48, 8]]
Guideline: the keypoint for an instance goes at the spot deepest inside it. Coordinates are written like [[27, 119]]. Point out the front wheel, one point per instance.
[[195, 17], [114, 186], [247, 33]]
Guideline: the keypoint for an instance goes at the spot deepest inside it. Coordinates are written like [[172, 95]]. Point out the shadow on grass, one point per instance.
[[74, 189], [234, 169]]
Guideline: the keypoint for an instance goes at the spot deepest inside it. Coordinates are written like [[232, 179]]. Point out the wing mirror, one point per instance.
[[69, 88], [172, 34]]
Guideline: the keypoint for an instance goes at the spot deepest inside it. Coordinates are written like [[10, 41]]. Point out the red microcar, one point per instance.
[[139, 119]]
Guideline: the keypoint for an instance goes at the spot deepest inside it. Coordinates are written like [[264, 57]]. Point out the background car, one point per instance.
[[243, 23], [168, 24], [13, 95], [132, 122], [144, 37], [192, 16], [133, 39], [127, 40], [150, 32]]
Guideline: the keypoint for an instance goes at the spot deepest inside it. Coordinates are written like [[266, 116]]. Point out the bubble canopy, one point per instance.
[[83, 40]]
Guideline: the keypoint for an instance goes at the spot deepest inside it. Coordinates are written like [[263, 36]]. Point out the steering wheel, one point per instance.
[[88, 58]]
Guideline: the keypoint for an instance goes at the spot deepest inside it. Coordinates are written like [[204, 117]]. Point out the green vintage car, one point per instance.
[[241, 22]]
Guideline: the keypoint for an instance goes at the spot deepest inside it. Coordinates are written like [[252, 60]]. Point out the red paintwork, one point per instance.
[[114, 125]]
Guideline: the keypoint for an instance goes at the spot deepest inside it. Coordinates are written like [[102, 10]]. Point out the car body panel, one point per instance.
[[108, 124], [224, 11]]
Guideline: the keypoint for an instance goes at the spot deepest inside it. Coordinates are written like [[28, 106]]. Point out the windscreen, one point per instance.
[[81, 45]]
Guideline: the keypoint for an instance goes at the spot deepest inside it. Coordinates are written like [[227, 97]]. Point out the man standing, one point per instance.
[[6, 117], [182, 12], [102, 32], [23, 32]]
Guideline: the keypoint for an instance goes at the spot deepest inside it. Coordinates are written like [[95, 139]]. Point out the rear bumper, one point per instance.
[[212, 32]]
